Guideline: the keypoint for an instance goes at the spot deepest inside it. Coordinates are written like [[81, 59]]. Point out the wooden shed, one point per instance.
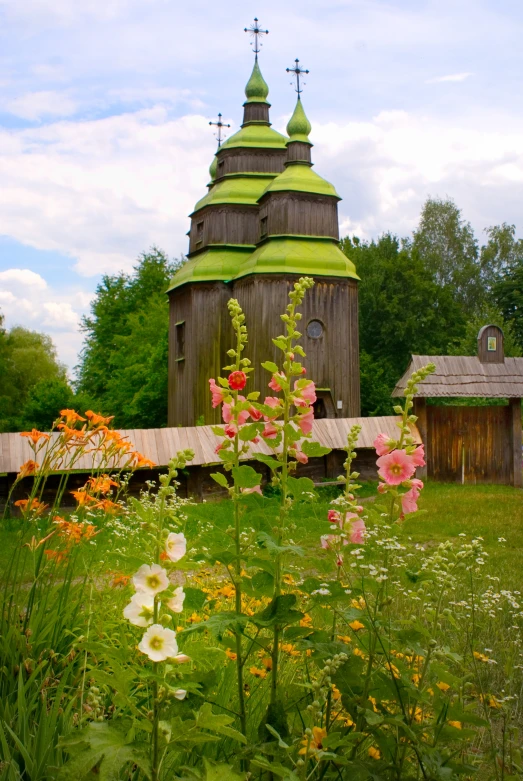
[[476, 443]]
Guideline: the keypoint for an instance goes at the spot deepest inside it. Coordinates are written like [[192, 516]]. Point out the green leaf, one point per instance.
[[220, 723], [220, 772], [265, 540], [280, 343], [246, 433], [276, 768], [314, 449], [271, 367], [219, 478], [194, 598], [279, 612], [218, 430], [298, 486], [271, 462], [349, 677], [220, 623], [246, 477], [103, 745], [373, 718]]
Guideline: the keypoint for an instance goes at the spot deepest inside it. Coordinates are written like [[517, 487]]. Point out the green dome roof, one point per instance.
[[314, 256], [242, 189], [299, 127], [261, 136], [218, 263], [299, 177], [256, 90], [213, 168]]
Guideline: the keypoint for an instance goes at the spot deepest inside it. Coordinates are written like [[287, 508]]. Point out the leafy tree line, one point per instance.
[[426, 294]]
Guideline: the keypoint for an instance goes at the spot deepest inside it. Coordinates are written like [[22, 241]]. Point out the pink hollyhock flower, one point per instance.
[[270, 431], [217, 393], [409, 501], [255, 413], [357, 531], [255, 440], [382, 488], [275, 403], [383, 444], [305, 421], [301, 457], [237, 380], [219, 447], [230, 431], [334, 516], [419, 456], [396, 467], [255, 490], [304, 397], [327, 540], [274, 382], [339, 560], [243, 416]]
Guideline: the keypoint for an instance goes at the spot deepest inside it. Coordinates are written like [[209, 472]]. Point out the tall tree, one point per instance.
[[26, 359], [123, 364], [449, 250]]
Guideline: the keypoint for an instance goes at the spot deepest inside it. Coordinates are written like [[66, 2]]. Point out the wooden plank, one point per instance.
[[517, 465]]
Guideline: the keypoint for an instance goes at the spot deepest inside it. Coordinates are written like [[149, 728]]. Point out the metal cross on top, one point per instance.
[[297, 72], [219, 125], [256, 33]]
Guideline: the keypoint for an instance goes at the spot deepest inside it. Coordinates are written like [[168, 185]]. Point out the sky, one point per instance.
[[105, 141]]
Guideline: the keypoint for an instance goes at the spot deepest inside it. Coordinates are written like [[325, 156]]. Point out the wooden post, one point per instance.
[[517, 465], [420, 409]]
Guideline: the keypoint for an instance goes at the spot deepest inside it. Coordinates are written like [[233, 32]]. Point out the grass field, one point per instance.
[[446, 511]]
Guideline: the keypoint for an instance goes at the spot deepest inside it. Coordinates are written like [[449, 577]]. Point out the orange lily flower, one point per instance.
[[120, 580], [70, 416], [82, 497], [97, 420], [55, 554], [29, 468], [34, 435], [101, 484], [111, 508], [32, 505], [141, 461]]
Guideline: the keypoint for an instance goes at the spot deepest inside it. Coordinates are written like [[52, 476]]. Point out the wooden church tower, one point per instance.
[[266, 220]]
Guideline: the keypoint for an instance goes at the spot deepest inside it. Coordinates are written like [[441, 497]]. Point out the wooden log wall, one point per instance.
[[200, 311], [476, 443], [333, 359], [224, 225], [298, 214], [257, 161]]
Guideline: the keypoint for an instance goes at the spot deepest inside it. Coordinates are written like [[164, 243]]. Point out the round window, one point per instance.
[[315, 329]]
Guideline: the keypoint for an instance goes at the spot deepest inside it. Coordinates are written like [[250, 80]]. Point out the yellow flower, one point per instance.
[[267, 662], [374, 753], [456, 724], [416, 678], [288, 648], [344, 639], [393, 669], [442, 686], [356, 625], [316, 741], [373, 701], [306, 620], [481, 657], [359, 652], [258, 673], [232, 656], [359, 604], [336, 694], [194, 618]]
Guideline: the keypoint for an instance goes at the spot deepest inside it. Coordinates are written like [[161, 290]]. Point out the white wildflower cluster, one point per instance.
[[151, 580]]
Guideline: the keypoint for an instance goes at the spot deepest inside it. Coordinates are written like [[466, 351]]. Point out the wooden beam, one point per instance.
[[420, 409], [515, 406]]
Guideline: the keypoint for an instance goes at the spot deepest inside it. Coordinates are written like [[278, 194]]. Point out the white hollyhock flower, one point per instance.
[[175, 546], [140, 610], [159, 643], [151, 579], [176, 602], [182, 658], [180, 694]]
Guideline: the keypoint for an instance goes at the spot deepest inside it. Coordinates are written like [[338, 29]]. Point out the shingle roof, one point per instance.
[[464, 376], [161, 444]]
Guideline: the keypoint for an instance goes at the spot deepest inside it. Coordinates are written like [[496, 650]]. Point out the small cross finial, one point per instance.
[[256, 33], [219, 124], [297, 72]]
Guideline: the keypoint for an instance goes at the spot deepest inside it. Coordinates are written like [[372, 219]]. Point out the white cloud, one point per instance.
[[36, 105], [102, 191], [26, 299], [451, 77]]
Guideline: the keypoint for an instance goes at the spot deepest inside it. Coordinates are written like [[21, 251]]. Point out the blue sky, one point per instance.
[[105, 142]]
